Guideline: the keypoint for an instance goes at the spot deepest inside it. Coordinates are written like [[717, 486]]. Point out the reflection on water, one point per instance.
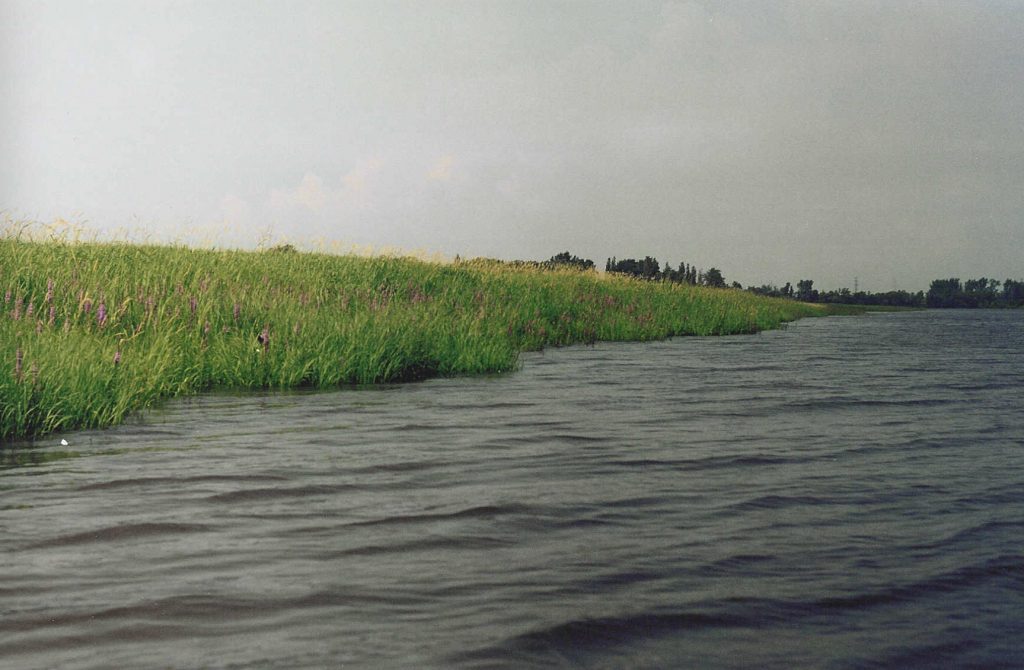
[[842, 493]]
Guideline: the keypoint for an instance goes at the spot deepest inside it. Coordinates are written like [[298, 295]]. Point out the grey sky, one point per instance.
[[774, 140]]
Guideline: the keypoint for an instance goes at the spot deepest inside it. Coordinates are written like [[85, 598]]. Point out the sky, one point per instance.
[[872, 141]]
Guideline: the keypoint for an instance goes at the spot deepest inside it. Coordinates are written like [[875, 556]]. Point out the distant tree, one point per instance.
[[805, 291], [946, 293], [713, 277], [766, 289], [565, 259], [1013, 293], [648, 268], [667, 273], [982, 292]]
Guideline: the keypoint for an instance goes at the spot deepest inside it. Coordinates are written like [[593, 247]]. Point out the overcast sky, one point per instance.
[[774, 140]]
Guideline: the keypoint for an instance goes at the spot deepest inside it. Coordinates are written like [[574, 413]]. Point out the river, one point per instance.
[[847, 492]]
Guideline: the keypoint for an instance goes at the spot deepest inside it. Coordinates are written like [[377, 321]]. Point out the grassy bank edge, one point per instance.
[[91, 332]]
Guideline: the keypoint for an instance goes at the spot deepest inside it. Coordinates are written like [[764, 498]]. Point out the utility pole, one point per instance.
[[855, 285]]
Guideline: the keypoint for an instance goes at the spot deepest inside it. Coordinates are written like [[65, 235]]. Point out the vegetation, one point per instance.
[[942, 293], [91, 332], [805, 292], [982, 292], [648, 268]]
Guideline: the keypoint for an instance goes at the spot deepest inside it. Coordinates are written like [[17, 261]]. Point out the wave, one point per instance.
[[121, 533], [478, 512], [248, 495], [572, 642], [447, 542], [177, 481]]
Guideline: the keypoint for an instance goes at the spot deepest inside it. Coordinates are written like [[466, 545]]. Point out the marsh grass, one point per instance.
[[90, 332]]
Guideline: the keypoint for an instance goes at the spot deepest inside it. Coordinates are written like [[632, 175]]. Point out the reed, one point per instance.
[[90, 332]]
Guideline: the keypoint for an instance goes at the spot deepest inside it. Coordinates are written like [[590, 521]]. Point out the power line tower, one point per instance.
[[855, 290]]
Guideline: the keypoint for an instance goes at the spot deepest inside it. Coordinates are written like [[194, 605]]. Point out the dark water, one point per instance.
[[845, 493]]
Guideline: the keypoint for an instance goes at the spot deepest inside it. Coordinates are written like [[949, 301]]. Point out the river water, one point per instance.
[[844, 493]]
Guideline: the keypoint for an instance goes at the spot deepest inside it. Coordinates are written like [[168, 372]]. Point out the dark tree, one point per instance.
[[713, 277], [805, 291], [565, 259], [946, 293], [1013, 293]]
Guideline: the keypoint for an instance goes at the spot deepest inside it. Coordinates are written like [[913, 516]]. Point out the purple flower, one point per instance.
[[238, 311], [101, 314], [117, 357], [53, 316], [49, 291], [192, 303], [87, 306]]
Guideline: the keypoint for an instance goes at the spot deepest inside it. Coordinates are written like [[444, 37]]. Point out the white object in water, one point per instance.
[[63, 443]]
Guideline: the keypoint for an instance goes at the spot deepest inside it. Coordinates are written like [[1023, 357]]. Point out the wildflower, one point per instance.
[[16, 314], [192, 303], [87, 306], [29, 310], [237, 312], [117, 357], [101, 315], [49, 291], [53, 316]]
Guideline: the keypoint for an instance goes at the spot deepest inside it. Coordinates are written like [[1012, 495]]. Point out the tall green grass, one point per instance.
[[90, 332]]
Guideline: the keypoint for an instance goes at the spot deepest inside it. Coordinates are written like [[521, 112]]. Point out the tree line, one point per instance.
[[942, 293], [804, 291], [983, 292], [645, 268]]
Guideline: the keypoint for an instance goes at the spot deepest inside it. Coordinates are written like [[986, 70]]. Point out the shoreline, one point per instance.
[[92, 332]]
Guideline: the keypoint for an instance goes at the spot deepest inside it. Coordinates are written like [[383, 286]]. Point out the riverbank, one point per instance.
[[91, 332]]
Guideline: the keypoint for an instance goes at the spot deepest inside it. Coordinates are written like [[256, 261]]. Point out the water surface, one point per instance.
[[844, 493]]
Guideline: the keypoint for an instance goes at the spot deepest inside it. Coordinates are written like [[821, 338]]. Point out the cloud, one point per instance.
[[309, 194], [354, 182], [234, 210], [442, 170]]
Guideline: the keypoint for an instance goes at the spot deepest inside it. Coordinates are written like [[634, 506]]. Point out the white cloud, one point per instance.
[[309, 194], [234, 210], [355, 181], [442, 169]]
